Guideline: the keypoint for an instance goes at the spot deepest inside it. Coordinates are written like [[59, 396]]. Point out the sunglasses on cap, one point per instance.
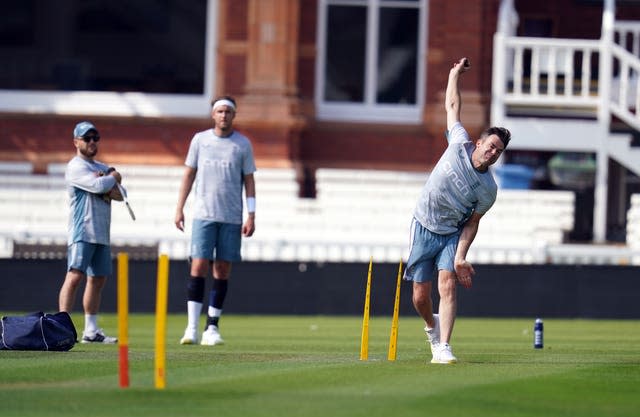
[[89, 138]]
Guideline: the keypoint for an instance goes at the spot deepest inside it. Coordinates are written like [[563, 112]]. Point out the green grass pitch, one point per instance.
[[309, 366]]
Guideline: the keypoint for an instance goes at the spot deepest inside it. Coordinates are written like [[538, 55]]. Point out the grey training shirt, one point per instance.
[[454, 189], [221, 163], [90, 214]]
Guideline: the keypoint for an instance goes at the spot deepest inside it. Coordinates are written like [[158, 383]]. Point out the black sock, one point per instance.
[[195, 289]]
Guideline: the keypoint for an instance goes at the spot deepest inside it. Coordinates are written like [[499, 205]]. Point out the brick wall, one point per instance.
[[456, 29], [43, 139]]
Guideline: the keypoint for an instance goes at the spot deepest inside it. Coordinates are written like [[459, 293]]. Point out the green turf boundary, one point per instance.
[[308, 366]]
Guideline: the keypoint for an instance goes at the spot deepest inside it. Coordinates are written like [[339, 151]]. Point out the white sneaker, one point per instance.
[[211, 337], [98, 337], [190, 337], [433, 335], [443, 354]]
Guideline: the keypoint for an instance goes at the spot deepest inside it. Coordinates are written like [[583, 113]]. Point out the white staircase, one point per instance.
[[620, 149], [562, 94], [553, 103]]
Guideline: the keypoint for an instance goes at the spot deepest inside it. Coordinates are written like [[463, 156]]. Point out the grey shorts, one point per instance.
[[429, 253], [214, 240], [91, 259]]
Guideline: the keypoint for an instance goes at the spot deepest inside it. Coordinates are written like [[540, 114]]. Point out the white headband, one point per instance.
[[224, 102]]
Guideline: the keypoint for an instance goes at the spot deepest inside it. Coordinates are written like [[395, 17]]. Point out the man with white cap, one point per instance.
[[220, 161], [91, 185]]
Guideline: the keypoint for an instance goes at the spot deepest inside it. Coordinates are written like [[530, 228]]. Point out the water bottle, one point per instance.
[[538, 334]]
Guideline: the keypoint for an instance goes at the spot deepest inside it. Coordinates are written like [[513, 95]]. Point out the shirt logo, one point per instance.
[[455, 178]]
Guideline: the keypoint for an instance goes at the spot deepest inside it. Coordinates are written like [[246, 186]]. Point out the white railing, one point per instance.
[[567, 74], [543, 73], [551, 72], [625, 97], [627, 34]]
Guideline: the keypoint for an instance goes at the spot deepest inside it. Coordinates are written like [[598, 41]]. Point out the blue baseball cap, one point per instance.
[[82, 128]]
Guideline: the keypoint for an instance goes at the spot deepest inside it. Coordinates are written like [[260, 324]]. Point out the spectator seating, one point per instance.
[[358, 214]]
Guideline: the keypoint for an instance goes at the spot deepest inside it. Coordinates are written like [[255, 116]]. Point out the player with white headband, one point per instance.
[[220, 161], [223, 102]]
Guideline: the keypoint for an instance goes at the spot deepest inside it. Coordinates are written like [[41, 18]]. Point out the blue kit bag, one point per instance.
[[38, 331]]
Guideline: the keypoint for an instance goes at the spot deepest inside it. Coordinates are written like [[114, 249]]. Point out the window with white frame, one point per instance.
[[100, 57], [370, 64]]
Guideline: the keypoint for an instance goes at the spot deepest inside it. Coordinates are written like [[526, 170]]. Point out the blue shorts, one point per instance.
[[209, 236], [429, 253], [91, 259]]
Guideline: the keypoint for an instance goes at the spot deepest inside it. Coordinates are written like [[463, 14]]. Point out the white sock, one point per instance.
[[214, 312], [194, 309], [90, 323]]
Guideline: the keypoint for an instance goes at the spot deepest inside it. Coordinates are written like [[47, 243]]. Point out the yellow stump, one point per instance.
[[364, 341], [393, 338], [161, 320], [123, 318]]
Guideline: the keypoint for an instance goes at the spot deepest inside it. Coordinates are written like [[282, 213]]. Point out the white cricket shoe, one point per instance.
[[211, 337], [433, 335], [190, 337], [98, 337], [443, 354]]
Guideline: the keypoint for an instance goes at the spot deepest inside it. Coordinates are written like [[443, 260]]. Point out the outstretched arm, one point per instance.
[[453, 101]]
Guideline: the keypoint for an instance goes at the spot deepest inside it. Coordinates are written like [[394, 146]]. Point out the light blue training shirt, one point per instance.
[[454, 189], [221, 164], [90, 212]]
